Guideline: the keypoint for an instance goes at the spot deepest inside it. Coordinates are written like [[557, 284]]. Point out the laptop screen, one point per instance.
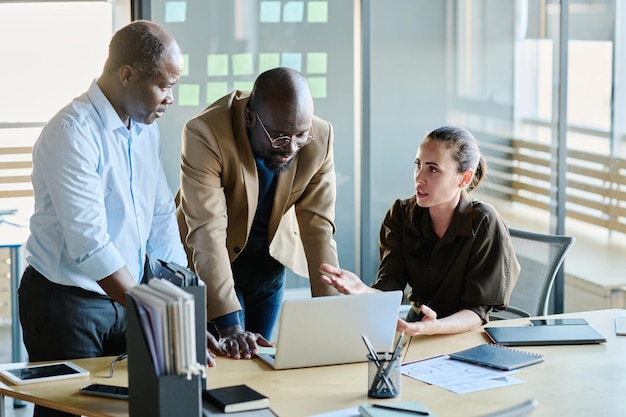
[[327, 330]]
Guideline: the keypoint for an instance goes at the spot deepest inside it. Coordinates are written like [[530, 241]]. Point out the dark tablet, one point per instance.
[[545, 335]]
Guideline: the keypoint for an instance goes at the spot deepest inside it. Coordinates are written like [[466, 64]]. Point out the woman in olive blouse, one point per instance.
[[454, 252]]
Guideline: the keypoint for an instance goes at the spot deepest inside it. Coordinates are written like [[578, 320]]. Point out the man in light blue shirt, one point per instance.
[[102, 203]]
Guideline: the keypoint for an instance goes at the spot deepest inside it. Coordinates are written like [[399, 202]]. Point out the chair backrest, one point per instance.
[[520, 410], [540, 257]]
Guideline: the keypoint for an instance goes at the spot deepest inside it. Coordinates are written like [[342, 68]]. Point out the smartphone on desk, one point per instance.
[[558, 322], [102, 390]]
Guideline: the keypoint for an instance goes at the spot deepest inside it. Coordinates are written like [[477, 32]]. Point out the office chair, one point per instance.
[[520, 410], [540, 257]]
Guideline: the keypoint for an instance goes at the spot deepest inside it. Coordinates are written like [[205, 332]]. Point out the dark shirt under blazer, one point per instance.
[[219, 195]]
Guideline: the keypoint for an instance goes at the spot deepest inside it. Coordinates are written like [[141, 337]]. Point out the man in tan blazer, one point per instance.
[[257, 195]]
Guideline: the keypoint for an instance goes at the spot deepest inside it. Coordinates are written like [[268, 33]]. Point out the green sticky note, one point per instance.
[[175, 11], [188, 95], [316, 62], [317, 12], [317, 86], [268, 61], [292, 60], [293, 11], [269, 12], [186, 65], [217, 64], [242, 64], [215, 90], [243, 85]]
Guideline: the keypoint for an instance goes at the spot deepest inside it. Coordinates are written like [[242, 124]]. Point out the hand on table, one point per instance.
[[239, 344]]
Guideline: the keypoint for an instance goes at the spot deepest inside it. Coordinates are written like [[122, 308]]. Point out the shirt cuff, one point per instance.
[[172, 253], [227, 320], [102, 263]]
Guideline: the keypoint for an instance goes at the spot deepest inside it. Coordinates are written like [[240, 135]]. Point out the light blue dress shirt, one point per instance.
[[101, 198]]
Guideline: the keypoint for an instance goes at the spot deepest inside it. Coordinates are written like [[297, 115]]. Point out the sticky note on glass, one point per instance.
[[293, 11], [188, 95], [317, 86], [217, 64], [242, 64], [243, 85], [269, 12], [317, 12], [268, 61], [186, 65], [175, 11], [215, 90], [292, 60], [316, 62]]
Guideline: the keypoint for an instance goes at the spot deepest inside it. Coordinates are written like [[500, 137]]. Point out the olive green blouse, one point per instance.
[[473, 266]]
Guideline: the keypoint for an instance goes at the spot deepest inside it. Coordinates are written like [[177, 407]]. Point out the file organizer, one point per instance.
[[152, 395], [199, 294]]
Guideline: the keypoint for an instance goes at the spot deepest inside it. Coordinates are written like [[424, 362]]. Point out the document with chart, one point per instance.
[[456, 376]]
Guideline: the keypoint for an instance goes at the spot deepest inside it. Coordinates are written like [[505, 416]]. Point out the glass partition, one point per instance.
[[538, 82], [228, 43]]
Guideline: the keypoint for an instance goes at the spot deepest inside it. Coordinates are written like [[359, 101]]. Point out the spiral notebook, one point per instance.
[[498, 356]]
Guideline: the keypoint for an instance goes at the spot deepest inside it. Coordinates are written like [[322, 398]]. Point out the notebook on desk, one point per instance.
[[545, 335], [327, 330]]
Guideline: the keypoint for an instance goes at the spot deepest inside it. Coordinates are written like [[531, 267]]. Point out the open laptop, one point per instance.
[[327, 330]]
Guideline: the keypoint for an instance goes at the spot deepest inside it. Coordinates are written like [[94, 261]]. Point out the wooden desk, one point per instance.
[[573, 380], [63, 395]]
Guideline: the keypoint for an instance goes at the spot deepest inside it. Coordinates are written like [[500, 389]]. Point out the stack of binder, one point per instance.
[[166, 347], [167, 318]]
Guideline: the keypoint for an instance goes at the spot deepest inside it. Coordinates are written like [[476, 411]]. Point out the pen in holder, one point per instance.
[[383, 369], [383, 375]]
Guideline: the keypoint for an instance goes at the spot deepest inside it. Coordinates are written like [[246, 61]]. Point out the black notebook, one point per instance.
[[544, 335], [236, 398], [498, 356]]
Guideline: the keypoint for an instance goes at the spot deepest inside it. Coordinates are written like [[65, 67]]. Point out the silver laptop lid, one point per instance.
[[327, 330]]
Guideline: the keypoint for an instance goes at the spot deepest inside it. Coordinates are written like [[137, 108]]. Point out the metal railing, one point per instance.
[[522, 171], [15, 167]]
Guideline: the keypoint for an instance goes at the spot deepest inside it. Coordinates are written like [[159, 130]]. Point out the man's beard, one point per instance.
[[277, 167]]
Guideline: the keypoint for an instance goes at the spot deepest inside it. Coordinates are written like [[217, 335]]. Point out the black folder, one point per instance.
[[545, 335]]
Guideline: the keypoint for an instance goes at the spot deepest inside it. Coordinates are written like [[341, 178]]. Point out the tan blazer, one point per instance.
[[218, 198]]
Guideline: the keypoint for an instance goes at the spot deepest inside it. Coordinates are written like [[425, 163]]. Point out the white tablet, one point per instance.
[[22, 373]]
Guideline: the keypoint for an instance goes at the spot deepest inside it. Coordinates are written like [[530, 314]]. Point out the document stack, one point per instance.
[[166, 342], [167, 317]]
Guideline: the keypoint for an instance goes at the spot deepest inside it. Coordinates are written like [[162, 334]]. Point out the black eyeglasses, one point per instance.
[[299, 139]]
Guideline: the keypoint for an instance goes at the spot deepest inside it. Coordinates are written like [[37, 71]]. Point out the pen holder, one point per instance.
[[152, 395], [383, 376]]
